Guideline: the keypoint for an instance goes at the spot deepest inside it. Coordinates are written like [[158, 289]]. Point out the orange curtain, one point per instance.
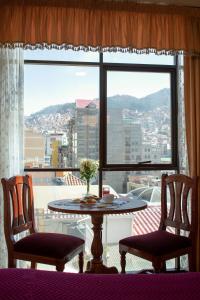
[[192, 119], [100, 24]]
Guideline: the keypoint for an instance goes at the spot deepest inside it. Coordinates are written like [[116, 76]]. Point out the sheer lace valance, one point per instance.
[[99, 26]]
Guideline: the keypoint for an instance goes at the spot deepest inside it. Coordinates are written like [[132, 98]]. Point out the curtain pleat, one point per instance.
[[98, 25], [192, 119]]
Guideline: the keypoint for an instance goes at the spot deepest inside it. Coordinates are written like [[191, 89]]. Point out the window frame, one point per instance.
[[103, 68], [174, 112]]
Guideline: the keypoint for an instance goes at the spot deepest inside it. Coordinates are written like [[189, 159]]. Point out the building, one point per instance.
[[54, 143], [34, 148], [87, 129]]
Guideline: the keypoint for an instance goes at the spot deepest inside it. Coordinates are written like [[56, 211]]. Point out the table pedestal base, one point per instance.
[[100, 268], [96, 264]]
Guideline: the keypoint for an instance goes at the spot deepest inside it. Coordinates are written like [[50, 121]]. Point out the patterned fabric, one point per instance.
[[11, 123], [18, 284]]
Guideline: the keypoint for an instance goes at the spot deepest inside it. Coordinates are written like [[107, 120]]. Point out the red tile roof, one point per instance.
[[147, 220], [73, 180], [82, 103]]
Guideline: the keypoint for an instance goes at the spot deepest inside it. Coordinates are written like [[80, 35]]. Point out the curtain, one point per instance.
[[182, 147], [11, 123], [192, 119], [99, 25]]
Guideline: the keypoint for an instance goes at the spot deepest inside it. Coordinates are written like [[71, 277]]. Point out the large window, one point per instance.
[[119, 109], [89, 105]]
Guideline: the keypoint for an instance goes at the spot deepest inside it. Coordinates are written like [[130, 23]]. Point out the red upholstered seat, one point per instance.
[[48, 244], [157, 242]]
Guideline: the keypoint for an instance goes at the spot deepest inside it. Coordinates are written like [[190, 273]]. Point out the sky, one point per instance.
[[46, 85]]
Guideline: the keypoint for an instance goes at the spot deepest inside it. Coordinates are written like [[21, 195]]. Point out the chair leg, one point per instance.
[[11, 262], [163, 268], [123, 262], [191, 262], [177, 263], [158, 266], [33, 265], [80, 262], [60, 268]]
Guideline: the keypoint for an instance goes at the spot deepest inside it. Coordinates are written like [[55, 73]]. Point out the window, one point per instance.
[[119, 109], [66, 109]]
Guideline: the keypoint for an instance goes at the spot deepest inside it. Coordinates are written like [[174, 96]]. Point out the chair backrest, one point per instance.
[[18, 206], [178, 202]]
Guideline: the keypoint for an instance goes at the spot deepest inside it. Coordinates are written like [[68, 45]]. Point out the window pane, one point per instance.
[[133, 58], [138, 117], [61, 115], [61, 55]]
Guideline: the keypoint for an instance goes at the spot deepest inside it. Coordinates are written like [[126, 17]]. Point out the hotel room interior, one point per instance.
[[117, 82]]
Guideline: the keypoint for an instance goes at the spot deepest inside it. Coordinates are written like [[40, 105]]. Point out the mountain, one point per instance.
[[56, 117], [55, 109], [160, 98], [150, 102]]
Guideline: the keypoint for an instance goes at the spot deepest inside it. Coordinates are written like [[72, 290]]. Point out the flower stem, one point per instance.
[[88, 186]]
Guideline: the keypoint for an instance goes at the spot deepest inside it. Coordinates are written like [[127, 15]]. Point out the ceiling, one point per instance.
[[194, 3]]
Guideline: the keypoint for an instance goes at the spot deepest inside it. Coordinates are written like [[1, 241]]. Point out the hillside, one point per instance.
[[55, 109], [56, 117], [147, 103]]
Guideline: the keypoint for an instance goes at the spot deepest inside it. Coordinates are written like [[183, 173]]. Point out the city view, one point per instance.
[[60, 136]]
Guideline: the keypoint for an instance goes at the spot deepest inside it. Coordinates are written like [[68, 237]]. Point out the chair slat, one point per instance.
[[185, 206], [172, 202], [15, 208], [20, 204], [178, 193], [25, 203]]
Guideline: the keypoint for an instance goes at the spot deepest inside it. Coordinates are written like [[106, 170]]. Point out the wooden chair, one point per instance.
[[46, 248], [178, 210]]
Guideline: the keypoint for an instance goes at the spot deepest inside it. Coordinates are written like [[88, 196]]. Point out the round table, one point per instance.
[[97, 211]]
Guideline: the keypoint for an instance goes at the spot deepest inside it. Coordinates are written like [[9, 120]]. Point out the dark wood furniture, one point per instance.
[[178, 210], [67, 206], [46, 248]]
